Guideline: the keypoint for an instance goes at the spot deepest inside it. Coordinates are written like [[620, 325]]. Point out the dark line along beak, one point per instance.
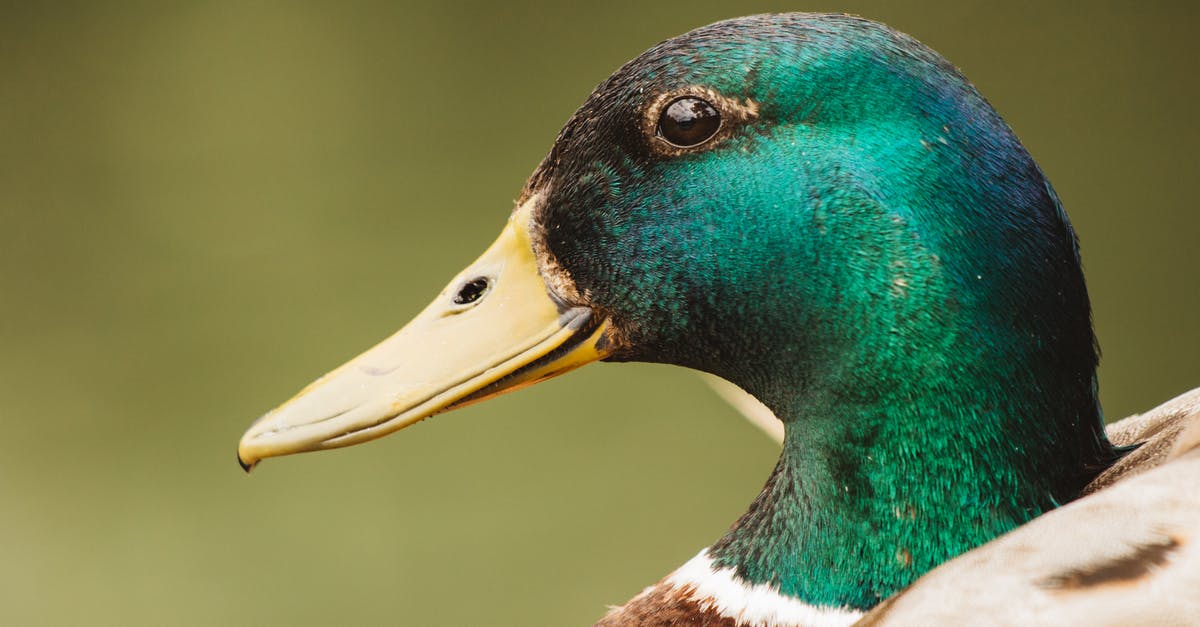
[[456, 352]]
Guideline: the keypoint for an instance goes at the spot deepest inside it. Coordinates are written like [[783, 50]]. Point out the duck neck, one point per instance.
[[870, 493]]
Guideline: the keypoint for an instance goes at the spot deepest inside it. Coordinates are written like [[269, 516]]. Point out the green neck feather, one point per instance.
[[880, 481]]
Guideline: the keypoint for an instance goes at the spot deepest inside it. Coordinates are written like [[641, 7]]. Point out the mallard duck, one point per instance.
[[825, 213]]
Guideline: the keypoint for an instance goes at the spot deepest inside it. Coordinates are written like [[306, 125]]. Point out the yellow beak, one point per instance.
[[495, 328]]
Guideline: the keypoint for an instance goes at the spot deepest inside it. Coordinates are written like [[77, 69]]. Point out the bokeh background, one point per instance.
[[204, 205]]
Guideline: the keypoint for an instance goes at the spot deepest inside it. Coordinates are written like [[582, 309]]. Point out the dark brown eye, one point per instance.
[[688, 121]]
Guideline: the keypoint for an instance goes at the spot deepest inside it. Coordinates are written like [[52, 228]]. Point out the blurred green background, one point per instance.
[[205, 205]]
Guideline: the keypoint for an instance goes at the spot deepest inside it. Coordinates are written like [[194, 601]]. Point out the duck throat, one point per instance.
[[865, 499]]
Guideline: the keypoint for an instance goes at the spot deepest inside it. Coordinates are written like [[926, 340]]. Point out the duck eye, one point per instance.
[[472, 291], [688, 121]]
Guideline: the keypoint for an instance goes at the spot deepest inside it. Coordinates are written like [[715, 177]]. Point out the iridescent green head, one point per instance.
[[865, 246], [859, 206]]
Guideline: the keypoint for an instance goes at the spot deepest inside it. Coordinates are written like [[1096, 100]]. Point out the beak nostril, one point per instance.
[[472, 291]]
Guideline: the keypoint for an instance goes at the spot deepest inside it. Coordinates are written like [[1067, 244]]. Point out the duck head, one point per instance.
[[826, 213]]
